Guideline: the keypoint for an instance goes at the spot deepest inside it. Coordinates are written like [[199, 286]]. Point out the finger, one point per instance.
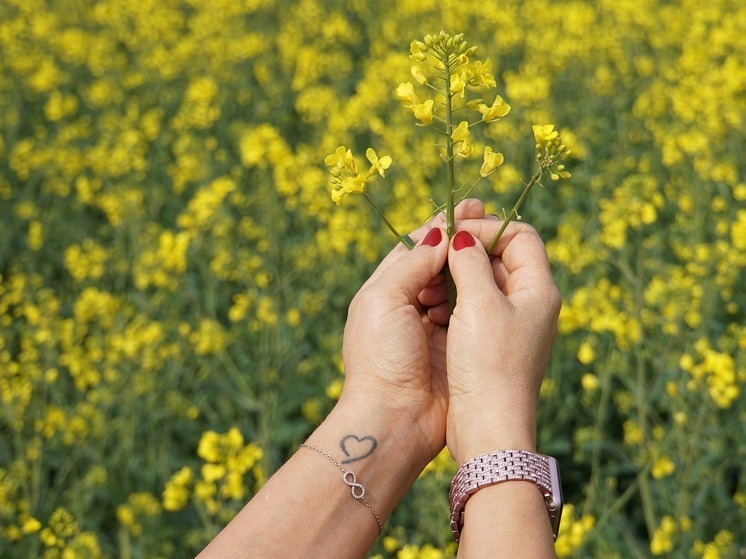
[[440, 314], [433, 295], [470, 208], [520, 250], [407, 276], [471, 269]]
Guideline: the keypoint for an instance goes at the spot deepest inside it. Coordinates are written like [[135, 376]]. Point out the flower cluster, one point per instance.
[[227, 459], [550, 151], [574, 528], [345, 173]]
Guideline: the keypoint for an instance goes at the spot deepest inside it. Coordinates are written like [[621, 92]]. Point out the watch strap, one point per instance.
[[506, 465]]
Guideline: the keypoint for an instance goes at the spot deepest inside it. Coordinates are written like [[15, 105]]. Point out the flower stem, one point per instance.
[[450, 212], [450, 206], [514, 212], [403, 239]]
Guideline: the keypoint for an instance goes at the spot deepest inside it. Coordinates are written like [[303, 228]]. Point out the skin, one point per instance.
[[417, 377]]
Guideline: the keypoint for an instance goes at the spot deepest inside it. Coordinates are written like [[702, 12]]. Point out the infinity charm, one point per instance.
[[354, 485]]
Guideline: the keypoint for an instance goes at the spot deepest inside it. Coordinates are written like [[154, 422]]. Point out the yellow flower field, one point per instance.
[[174, 275]]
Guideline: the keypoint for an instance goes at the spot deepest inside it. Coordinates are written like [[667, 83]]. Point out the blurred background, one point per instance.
[[174, 276]]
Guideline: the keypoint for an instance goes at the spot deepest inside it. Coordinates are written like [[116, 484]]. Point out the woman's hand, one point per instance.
[[499, 338], [394, 354]]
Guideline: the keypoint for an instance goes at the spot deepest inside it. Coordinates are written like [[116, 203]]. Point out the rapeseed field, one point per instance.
[[174, 274]]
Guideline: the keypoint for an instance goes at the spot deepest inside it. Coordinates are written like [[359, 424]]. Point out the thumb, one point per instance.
[[471, 268], [411, 272]]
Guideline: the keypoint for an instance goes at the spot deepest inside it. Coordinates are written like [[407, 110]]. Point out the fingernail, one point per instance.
[[463, 239], [433, 237]]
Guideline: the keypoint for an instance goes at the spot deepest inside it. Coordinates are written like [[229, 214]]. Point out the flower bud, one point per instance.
[[471, 51], [428, 40]]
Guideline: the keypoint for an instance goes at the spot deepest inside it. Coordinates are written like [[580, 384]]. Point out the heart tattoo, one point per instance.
[[356, 448]]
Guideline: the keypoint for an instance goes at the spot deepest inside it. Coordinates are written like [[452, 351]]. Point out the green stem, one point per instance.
[[403, 239], [450, 206], [450, 211], [514, 212], [472, 187]]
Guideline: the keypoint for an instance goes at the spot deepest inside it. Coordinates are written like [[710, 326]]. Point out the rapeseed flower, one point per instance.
[[492, 160]]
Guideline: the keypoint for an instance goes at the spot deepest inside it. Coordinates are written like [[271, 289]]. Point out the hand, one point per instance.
[[499, 339], [394, 354]]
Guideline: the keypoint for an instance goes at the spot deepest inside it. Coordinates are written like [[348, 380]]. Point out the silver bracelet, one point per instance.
[[348, 476], [506, 465]]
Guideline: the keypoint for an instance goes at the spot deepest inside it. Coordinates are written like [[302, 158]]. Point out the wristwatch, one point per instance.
[[506, 465]]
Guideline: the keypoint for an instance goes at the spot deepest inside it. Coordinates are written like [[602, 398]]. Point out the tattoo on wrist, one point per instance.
[[356, 448]]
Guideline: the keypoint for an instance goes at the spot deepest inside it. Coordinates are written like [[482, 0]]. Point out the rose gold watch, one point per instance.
[[506, 465]]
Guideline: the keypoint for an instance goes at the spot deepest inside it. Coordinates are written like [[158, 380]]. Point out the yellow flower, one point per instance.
[[544, 133], [589, 381], [405, 93], [342, 159], [334, 390], [31, 525], [416, 49], [208, 448], [213, 472], [377, 165], [482, 74], [662, 467], [586, 353], [492, 160], [458, 85], [204, 490], [464, 149], [337, 195], [498, 110], [354, 184], [390, 544], [418, 75], [424, 112], [461, 132]]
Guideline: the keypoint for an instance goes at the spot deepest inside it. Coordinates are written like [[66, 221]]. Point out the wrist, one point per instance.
[[494, 429], [374, 444]]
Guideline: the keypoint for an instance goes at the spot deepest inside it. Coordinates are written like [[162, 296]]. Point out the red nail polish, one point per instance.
[[463, 239], [433, 237]]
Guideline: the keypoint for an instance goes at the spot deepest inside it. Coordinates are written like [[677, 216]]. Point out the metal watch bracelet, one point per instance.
[[506, 465]]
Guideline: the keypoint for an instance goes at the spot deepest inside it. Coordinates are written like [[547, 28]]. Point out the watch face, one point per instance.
[[555, 507]]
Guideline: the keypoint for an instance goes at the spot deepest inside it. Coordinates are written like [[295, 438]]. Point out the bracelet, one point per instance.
[[506, 465], [348, 476]]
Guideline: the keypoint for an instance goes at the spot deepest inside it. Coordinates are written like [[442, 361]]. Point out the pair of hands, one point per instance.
[[470, 379]]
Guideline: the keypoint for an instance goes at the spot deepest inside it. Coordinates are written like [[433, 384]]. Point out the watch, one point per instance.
[[506, 465]]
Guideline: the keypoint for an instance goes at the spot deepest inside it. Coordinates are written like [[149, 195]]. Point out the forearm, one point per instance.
[[507, 520], [307, 510]]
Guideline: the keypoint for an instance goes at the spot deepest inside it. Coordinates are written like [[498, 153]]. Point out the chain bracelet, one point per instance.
[[350, 479]]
